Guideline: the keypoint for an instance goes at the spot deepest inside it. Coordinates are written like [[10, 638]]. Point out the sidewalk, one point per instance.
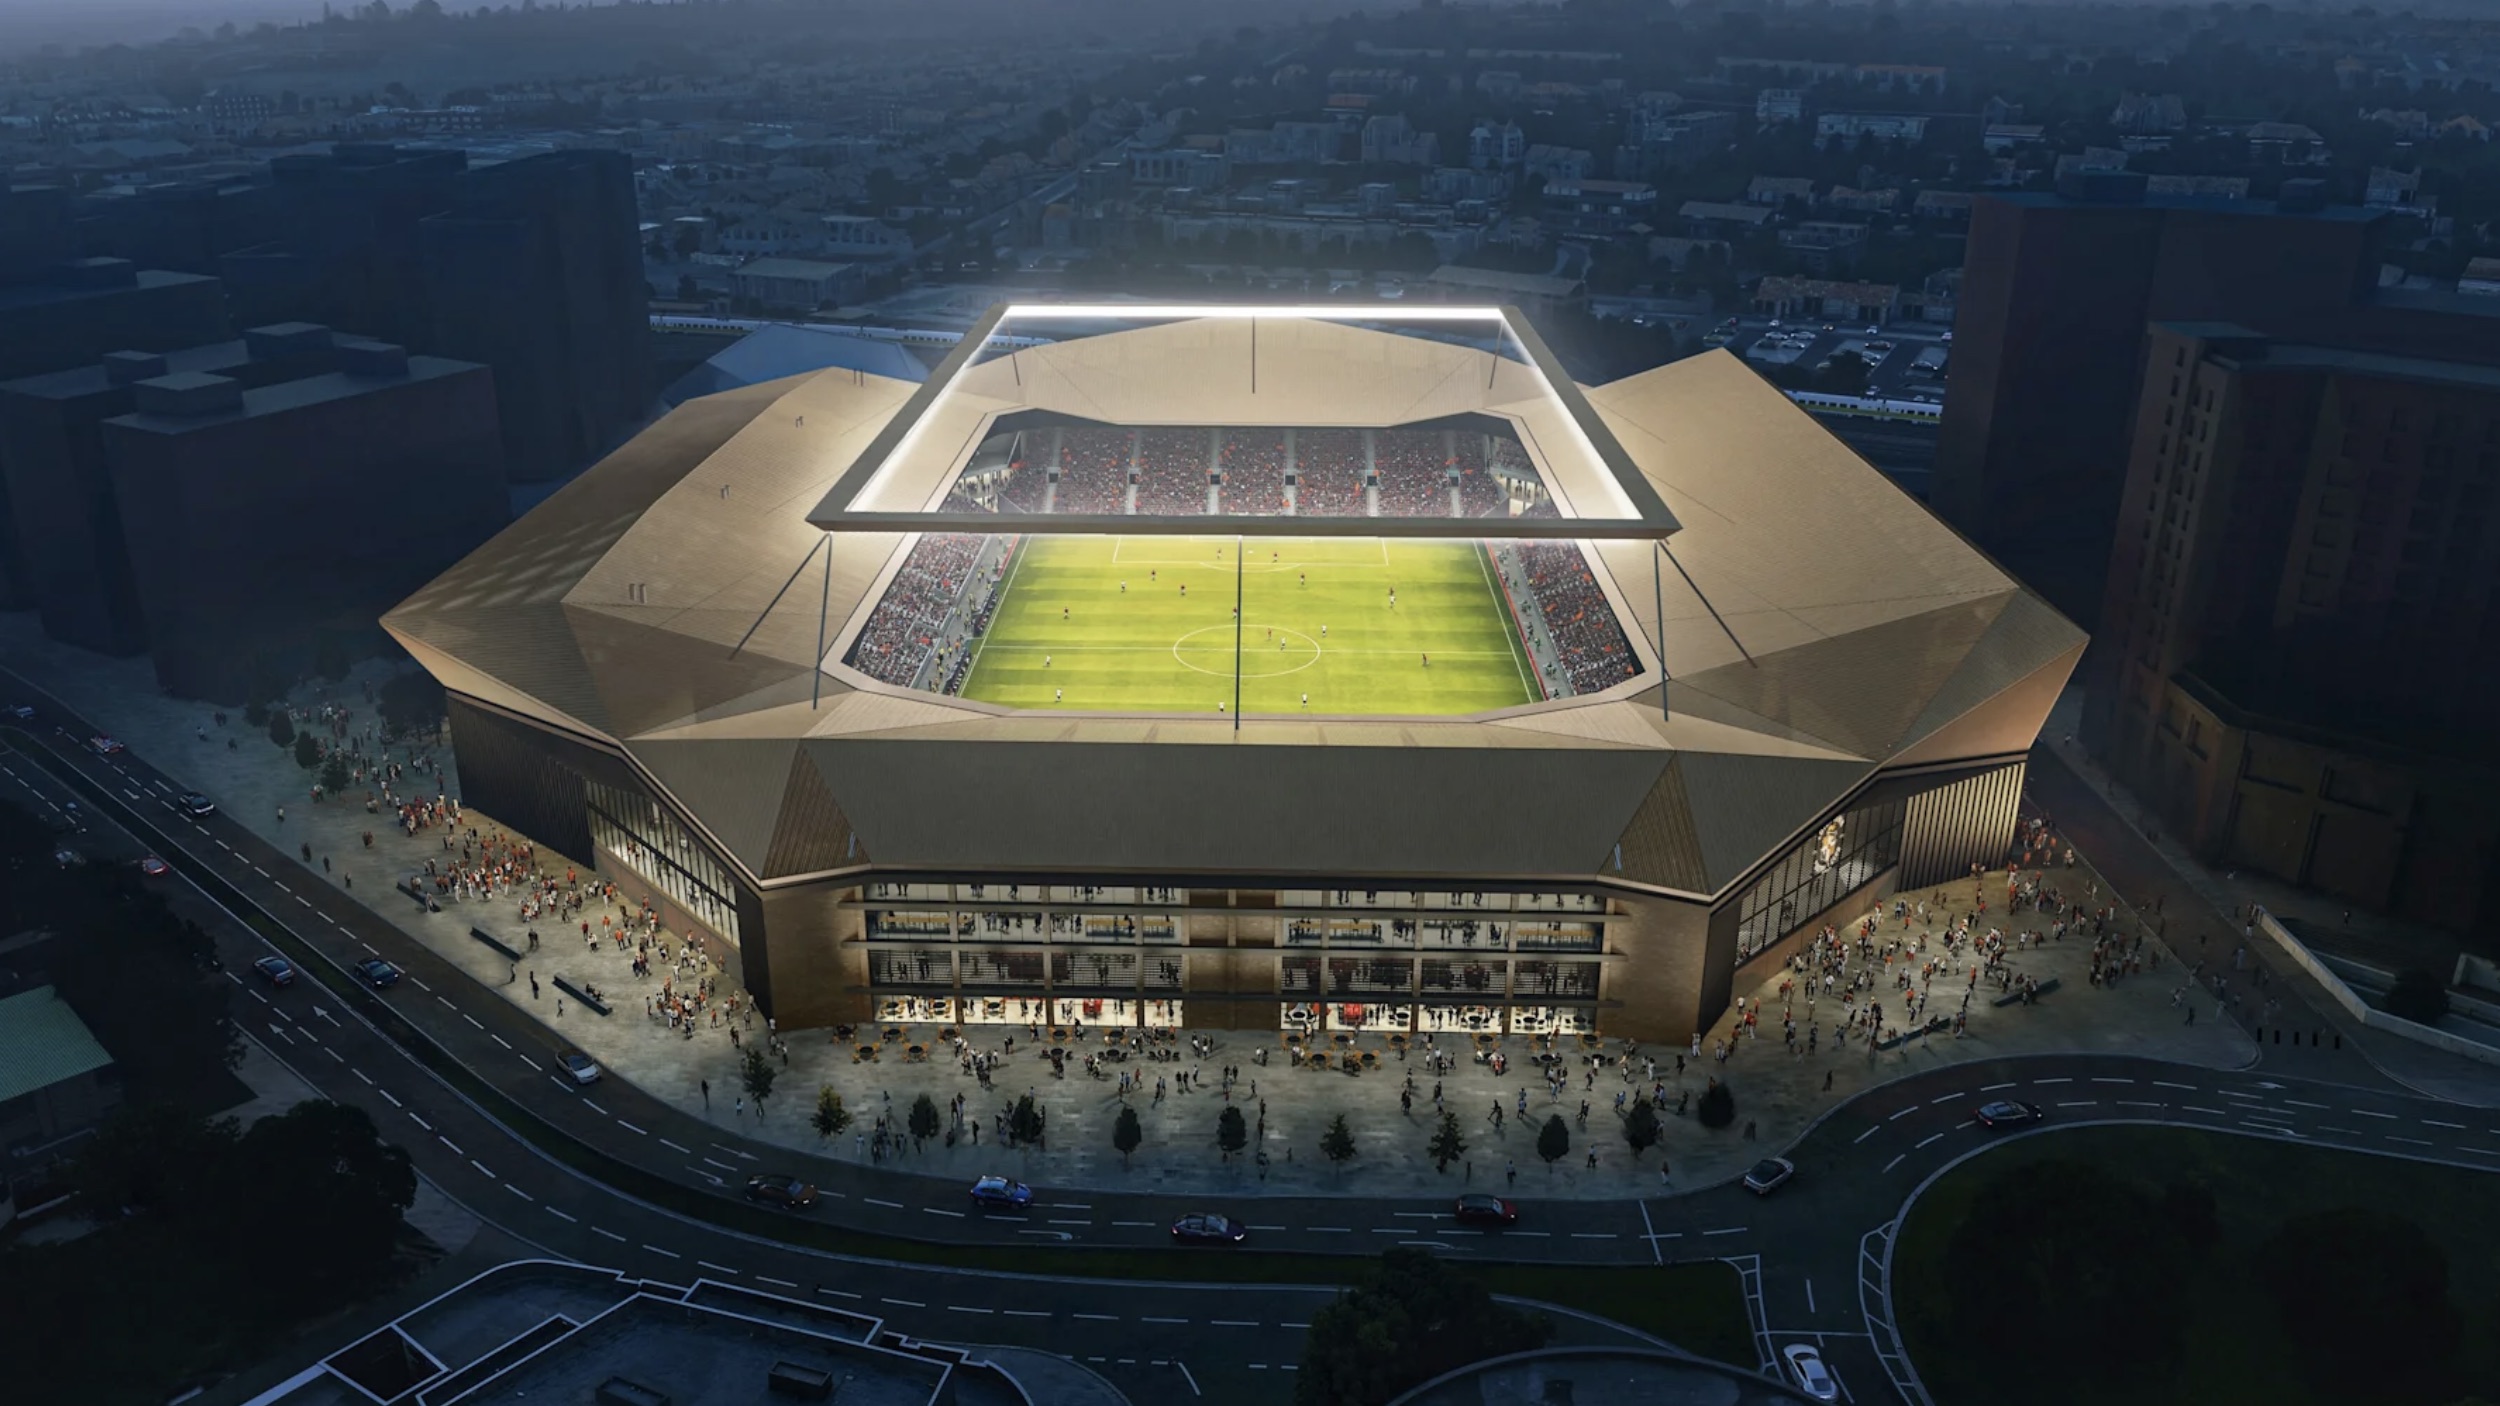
[[1779, 1094]]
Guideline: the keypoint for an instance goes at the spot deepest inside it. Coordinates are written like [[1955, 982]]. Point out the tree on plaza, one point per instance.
[[1125, 1134], [1024, 1122], [1718, 1106], [1448, 1143], [757, 1074], [281, 729], [307, 750], [256, 714], [1337, 1144], [1640, 1126], [923, 1119], [2418, 996], [334, 773], [1408, 1318], [2102, 1268], [1553, 1141], [2363, 1295], [830, 1117], [321, 1170], [411, 702], [1231, 1133]]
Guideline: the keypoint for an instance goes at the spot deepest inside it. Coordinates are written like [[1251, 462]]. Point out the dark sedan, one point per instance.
[[378, 974], [2007, 1113], [1203, 1228], [1477, 1208], [277, 971], [789, 1193]]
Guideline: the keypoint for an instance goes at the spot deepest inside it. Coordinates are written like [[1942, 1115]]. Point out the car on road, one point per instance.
[[378, 974], [789, 1193], [195, 805], [1207, 1228], [154, 867], [104, 746], [1805, 1363], [65, 857], [1002, 1191], [20, 711], [1478, 1208], [1769, 1175], [2008, 1113], [582, 1067], [277, 971]]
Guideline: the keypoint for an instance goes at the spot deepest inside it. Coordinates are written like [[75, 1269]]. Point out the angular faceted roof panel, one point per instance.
[[683, 605]]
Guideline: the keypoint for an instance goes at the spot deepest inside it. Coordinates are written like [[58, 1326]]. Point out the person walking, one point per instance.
[[707, 1091]]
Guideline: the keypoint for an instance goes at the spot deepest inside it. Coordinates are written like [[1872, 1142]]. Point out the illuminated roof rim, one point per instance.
[[1651, 518]]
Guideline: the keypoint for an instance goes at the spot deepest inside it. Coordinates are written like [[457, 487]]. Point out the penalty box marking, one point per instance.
[[1120, 556]]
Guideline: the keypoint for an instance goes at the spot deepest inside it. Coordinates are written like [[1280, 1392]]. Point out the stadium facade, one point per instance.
[[728, 666]]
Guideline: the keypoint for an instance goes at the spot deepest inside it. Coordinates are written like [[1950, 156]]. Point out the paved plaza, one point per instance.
[[1778, 1094]]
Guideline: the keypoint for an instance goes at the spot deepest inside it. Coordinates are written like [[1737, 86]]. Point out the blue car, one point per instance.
[[277, 971], [379, 974], [999, 1191], [1201, 1228]]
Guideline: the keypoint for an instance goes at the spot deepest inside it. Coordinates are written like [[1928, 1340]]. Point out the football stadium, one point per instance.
[[1322, 669]]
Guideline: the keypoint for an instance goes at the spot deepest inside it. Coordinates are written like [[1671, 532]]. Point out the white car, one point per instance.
[[582, 1067], [1813, 1378]]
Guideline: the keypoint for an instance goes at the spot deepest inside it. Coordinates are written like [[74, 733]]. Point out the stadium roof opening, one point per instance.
[[1250, 421]]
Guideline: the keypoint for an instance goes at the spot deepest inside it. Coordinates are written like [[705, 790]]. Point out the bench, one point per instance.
[[409, 887], [495, 942], [2015, 996], [565, 985]]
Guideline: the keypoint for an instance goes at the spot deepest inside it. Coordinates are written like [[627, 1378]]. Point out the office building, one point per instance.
[[261, 521], [2300, 654]]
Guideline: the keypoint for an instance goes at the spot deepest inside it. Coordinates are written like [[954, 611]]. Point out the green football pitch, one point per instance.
[[1145, 624]]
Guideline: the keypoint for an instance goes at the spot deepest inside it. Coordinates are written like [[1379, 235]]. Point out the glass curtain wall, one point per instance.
[[1843, 855], [646, 839]]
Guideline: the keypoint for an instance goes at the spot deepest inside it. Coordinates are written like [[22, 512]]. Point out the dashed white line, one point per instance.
[[672, 1254], [420, 981], [2340, 1132], [1992, 1088], [630, 1127], [2166, 1084], [2413, 1141], [2297, 1103], [838, 1293], [2212, 1112], [2060, 1079], [1025, 1312], [565, 1214], [1231, 1323], [958, 1215], [1895, 1162], [2106, 1079], [1948, 1098], [2136, 1103], [2477, 1151], [395, 1103], [2435, 1123], [967, 1308], [2079, 1103], [363, 1075], [518, 1192], [487, 1171], [1147, 1224], [420, 1121], [473, 1020], [873, 1201], [1904, 1113], [1096, 1317], [777, 1283], [507, 1044], [447, 1142], [595, 1108], [664, 1142], [1868, 1133], [1162, 1320], [1386, 1230], [1331, 1230], [934, 1210], [904, 1303], [1741, 1229], [716, 1268], [2366, 1113], [1932, 1137], [603, 1230]]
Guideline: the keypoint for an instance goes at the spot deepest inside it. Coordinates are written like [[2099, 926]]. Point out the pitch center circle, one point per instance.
[[1253, 651]]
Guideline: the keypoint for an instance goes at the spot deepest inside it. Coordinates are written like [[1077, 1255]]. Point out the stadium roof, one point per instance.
[[1818, 625], [1156, 364]]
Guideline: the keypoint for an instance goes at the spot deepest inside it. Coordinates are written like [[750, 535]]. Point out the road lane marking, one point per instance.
[[2435, 1123], [2166, 1084], [419, 1121], [595, 1108], [507, 1044], [724, 1166], [483, 1170], [2414, 1141], [1148, 1225], [395, 1103], [566, 1215], [1162, 1320], [1594, 1235], [1948, 1098], [958, 1215], [447, 1142], [967, 1308], [2477, 1151], [672, 1254], [2106, 1079], [1868, 1133], [720, 1268], [664, 1142], [1385, 1230], [2079, 1103], [518, 1192], [904, 1303], [1895, 1162], [1231, 1323], [1053, 1222], [2060, 1079], [603, 1230], [369, 1078], [777, 1283], [2366, 1113], [1025, 1312], [2215, 1112], [1731, 1230], [1096, 1317], [1331, 1230], [838, 1293], [2296, 1103], [630, 1127], [1932, 1137], [889, 1205], [1992, 1088], [1904, 1113], [2136, 1103], [2340, 1132]]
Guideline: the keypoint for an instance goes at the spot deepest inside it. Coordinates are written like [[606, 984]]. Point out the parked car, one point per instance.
[[789, 1193], [1000, 1191], [20, 711], [582, 1067], [1479, 1208], [277, 971], [1769, 1175], [195, 805], [1813, 1378], [1206, 1228], [154, 867], [2007, 1113], [104, 746], [65, 857], [379, 974]]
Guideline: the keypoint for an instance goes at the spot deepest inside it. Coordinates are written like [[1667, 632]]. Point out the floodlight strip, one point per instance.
[[1227, 525], [1373, 312], [905, 425]]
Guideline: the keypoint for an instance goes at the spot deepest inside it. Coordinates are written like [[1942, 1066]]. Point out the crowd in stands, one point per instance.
[[1578, 619], [1337, 472], [1328, 470], [910, 619], [1094, 470], [1172, 472], [1253, 464], [1414, 469]]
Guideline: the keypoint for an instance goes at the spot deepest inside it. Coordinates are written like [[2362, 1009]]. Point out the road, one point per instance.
[[1804, 1250]]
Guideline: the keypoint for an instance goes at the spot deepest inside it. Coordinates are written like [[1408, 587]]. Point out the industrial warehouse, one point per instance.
[[1288, 669]]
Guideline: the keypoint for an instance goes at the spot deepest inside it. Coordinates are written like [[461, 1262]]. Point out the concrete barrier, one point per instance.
[[565, 985], [2370, 1017], [495, 942]]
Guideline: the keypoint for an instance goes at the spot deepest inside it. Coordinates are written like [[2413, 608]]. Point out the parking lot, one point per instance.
[[1909, 358]]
